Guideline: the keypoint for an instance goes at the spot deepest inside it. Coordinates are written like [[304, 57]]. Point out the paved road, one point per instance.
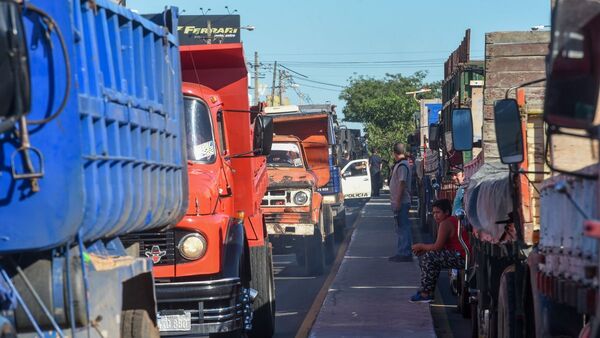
[[295, 292]]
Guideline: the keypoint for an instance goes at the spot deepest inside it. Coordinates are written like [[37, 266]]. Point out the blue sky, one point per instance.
[[312, 37]]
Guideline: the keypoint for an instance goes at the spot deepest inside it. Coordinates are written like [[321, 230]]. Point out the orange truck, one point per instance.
[[298, 218], [215, 265]]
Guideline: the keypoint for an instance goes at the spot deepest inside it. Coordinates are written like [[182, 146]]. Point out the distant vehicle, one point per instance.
[[294, 211]]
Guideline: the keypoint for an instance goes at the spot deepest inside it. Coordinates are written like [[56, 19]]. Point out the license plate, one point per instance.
[[182, 322]]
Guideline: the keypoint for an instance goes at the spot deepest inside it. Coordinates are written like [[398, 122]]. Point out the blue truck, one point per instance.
[[91, 148]]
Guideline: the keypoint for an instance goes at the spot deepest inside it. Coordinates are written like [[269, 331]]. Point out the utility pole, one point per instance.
[[273, 86], [281, 74], [256, 66], [209, 26]]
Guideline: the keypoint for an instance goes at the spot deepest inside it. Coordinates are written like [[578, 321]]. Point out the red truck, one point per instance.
[[296, 217], [213, 266]]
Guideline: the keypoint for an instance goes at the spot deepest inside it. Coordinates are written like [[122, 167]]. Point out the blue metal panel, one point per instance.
[[433, 112], [113, 160], [333, 186]]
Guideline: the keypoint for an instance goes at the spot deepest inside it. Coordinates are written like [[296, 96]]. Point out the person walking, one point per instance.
[[400, 202], [375, 164], [445, 253]]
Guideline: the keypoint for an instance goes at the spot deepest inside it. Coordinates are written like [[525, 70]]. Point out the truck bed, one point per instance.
[[114, 159]]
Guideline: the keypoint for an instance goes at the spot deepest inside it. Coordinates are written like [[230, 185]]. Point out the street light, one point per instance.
[[248, 28], [420, 91]]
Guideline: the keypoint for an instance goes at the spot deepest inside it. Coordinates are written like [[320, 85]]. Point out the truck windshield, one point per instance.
[[285, 155], [200, 139]]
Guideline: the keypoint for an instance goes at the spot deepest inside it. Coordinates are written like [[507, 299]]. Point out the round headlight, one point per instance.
[[300, 198], [192, 246]]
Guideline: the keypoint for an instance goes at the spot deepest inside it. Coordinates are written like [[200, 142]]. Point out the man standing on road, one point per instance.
[[400, 201], [375, 167], [345, 159]]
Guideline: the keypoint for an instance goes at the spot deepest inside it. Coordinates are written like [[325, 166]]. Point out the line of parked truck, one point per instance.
[[140, 193], [522, 126]]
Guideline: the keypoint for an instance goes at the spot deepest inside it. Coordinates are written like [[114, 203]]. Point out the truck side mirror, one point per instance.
[[462, 129], [263, 135], [434, 134], [509, 135], [14, 66], [572, 85]]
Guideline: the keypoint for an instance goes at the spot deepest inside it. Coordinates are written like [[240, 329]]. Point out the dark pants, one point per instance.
[[375, 183], [403, 230], [433, 262]]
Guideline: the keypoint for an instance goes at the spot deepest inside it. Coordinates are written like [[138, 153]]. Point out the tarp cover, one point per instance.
[[488, 200]]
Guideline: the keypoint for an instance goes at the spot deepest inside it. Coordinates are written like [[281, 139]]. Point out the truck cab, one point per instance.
[[215, 262], [293, 208]]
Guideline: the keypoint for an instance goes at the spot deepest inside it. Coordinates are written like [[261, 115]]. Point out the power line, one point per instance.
[[320, 82], [293, 71], [370, 53], [364, 62], [329, 89]]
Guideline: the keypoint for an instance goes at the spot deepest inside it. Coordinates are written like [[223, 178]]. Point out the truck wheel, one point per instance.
[[474, 321], [340, 227], [234, 334], [263, 322], [137, 324], [463, 296], [329, 228], [506, 321], [329, 249], [314, 256]]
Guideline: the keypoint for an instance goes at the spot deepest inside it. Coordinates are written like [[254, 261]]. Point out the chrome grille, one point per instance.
[[165, 241]]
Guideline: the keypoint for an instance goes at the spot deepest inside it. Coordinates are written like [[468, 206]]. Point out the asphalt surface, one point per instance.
[[369, 296], [298, 301], [295, 293]]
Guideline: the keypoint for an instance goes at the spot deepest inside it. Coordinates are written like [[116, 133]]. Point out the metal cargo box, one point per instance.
[[112, 161]]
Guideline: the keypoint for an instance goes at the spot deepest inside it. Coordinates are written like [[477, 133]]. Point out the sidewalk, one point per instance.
[[369, 296]]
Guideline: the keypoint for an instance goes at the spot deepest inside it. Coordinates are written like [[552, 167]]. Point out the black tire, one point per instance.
[[261, 262], [314, 255], [329, 249], [234, 334], [137, 324], [506, 320], [464, 306], [474, 321], [328, 224], [340, 227], [301, 257]]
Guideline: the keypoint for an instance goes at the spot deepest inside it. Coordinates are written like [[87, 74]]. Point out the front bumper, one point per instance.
[[289, 223], [215, 306], [290, 229]]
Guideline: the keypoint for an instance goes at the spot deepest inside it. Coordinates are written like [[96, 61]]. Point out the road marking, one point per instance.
[[313, 312], [442, 305], [285, 314], [384, 287]]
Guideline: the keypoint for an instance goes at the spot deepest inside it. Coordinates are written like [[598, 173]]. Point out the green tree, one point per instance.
[[382, 105]]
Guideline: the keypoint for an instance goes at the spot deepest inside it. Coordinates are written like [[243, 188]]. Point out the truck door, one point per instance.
[[356, 179]]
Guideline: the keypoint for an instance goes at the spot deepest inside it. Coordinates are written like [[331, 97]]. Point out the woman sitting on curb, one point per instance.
[[446, 252]]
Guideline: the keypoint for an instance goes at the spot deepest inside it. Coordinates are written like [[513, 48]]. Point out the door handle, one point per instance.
[[365, 179]]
